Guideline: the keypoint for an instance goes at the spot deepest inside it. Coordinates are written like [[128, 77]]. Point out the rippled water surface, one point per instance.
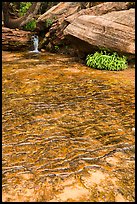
[[67, 130]]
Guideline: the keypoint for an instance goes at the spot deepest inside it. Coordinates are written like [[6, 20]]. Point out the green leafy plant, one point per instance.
[[48, 22], [56, 47], [24, 6], [30, 25], [107, 61]]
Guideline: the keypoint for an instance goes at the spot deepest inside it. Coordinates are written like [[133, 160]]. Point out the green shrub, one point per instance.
[[106, 61], [56, 47], [48, 22], [24, 6], [30, 25]]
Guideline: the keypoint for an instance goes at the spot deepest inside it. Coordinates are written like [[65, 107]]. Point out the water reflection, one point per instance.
[[65, 127]]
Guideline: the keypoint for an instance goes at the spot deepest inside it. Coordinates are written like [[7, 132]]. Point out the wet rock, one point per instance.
[[43, 50]]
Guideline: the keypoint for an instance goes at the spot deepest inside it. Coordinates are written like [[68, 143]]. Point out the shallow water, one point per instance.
[[67, 130]]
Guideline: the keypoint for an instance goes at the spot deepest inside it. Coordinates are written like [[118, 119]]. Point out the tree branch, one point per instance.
[[19, 22]]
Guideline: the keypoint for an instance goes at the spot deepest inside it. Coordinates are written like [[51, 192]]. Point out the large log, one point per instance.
[[14, 39], [114, 30]]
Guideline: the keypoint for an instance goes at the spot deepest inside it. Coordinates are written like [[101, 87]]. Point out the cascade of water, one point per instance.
[[35, 40]]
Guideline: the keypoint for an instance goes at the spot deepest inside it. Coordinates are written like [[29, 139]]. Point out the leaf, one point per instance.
[[107, 61]]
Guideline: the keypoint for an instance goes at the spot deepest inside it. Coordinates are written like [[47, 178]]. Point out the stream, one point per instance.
[[66, 130]]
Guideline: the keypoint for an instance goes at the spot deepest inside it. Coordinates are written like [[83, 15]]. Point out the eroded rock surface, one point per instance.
[[115, 30], [100, 9], [15, 39]]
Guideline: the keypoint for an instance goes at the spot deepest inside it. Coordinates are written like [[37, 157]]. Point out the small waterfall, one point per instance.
[[35, 40]]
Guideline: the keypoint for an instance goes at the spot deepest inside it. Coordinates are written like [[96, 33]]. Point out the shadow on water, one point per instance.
[[67, 130]]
